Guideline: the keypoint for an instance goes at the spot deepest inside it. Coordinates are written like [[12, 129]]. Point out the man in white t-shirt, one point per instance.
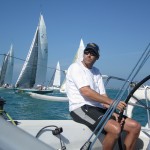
[[88, 101]]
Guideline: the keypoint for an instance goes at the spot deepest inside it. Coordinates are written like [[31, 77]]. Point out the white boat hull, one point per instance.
[[74, 135], [7, 88], [14, 138], [21, 90], [48, 97]]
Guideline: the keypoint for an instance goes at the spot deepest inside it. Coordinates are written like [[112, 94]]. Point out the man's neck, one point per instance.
[[89, 66]]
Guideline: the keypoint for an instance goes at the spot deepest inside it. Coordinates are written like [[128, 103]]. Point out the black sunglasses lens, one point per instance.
[[91, 53], [86, 52]]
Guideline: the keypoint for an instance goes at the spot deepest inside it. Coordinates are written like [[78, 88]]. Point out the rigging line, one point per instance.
[[144, 61], [31, 64], [132, 73], [119, 96], [142, 64]]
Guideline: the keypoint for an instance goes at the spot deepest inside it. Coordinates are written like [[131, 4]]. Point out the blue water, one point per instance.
[[22, 106]]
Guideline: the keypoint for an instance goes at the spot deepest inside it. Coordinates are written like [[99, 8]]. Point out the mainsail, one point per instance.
[[78, 58], [35, 67], [6, 73]]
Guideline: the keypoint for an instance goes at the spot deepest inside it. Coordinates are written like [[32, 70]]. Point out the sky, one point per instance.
[[120, 28]]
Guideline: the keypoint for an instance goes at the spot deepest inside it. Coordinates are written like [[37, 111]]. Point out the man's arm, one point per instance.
[[104, 99]]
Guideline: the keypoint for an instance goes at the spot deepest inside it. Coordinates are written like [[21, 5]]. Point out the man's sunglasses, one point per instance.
[[91, 53]]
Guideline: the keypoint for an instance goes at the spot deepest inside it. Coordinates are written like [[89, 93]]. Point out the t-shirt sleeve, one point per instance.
[[100, 82], [101, 86]]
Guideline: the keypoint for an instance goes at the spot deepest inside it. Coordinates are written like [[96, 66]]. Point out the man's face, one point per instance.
[[89, 57]]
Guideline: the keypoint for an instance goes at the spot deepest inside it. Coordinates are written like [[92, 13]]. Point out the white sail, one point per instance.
[[6, 73], [78, 58], [79, 55], [35, 67], [26, 78], [42, 53], [63, 87], [56, 78]]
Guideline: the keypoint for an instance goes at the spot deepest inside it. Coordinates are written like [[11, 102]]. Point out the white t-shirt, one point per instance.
[[79, 76]]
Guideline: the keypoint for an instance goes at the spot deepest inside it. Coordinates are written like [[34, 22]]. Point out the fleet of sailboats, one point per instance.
[[32, 77], [6, 72]]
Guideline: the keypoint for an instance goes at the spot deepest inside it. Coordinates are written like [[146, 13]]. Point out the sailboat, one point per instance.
[[6, 72], [78, 58], [56, 78], [33, 73]]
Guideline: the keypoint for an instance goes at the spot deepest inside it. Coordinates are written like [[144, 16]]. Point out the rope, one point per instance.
[[4, 113]]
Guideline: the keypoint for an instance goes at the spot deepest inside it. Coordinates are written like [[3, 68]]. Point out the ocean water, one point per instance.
[[23, 107]]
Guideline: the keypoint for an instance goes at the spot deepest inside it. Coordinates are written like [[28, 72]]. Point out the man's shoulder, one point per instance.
[[75, 64], [74, 68], [95, 69]]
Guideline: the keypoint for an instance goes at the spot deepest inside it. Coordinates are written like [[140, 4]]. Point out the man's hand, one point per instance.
[[121, 106], [116, 118]]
